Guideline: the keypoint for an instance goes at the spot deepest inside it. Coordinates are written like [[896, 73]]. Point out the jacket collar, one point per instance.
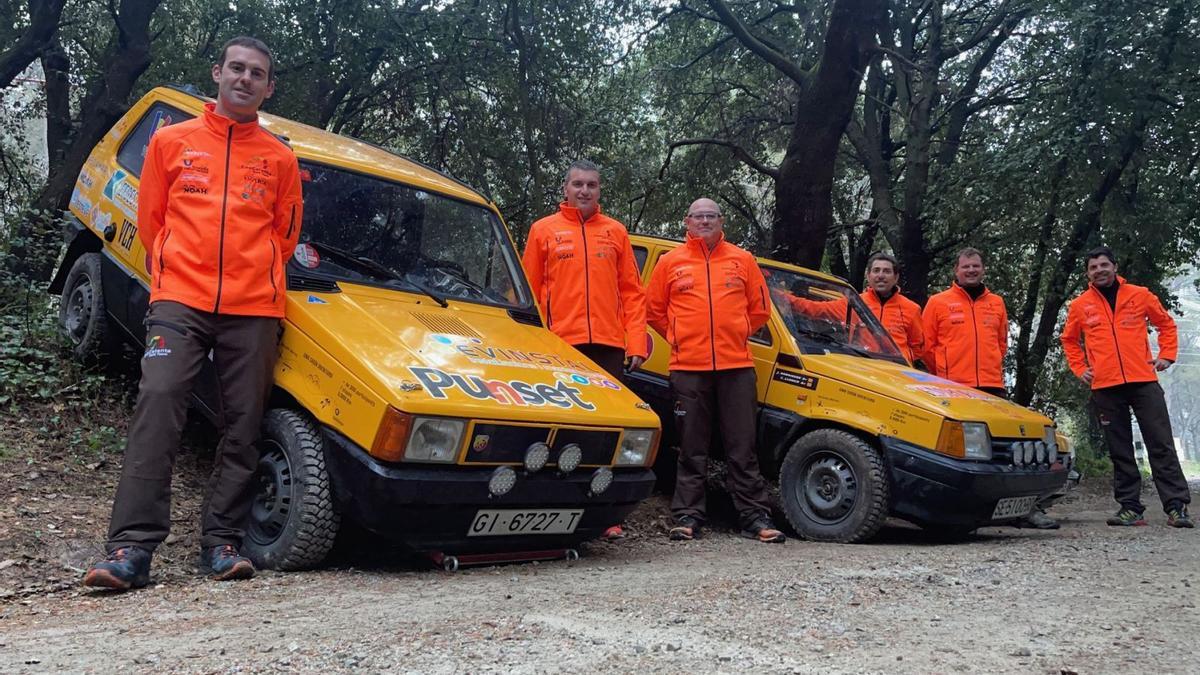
[[220, 125], [963, 292], [875, 296], [572, 214], [698, 244], [1092, 287]]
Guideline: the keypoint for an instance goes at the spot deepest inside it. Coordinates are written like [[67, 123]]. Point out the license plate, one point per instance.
[[531, 521], [1014, 507]]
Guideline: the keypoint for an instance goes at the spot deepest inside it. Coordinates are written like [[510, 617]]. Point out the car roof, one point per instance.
[[311, 143], [650, 239]]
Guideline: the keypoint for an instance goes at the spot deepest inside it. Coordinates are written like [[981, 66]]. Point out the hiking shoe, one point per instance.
[[763, 530], [1127, 518], [686, 528], [613, 533], [1178, 517], [224, 563], [122, 569], [1038, 520]]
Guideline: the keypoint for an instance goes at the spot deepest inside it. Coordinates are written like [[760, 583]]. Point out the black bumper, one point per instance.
[[932, 489], [430, 508]]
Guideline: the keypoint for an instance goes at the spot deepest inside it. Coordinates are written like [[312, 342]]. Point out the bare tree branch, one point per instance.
[[738, 151]]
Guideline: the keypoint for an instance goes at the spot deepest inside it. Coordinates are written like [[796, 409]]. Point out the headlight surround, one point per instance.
[[636, 446], [977, 442], [434, 439]]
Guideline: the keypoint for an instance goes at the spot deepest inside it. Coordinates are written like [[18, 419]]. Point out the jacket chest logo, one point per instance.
[[256, 175], [682, 280]]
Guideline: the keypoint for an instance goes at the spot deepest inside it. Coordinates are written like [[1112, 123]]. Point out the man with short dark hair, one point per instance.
[[1106, 345], [219, 211], [966, 329], [582, 271], [900, 316], [707, 297]]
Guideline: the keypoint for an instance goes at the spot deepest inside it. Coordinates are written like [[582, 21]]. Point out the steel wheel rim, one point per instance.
[[79, 309], [829, 488], [273, 496]]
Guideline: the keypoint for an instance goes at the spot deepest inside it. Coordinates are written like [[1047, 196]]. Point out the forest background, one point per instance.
[[827, 130]]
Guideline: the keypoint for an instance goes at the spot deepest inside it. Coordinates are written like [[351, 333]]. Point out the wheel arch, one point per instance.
[[80, 240]]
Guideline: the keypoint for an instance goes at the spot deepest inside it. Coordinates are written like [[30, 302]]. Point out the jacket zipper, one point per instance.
[[162, 265], [587, 282], [549, 311], [291, 221], [975, 332], [712, 331], [1112, 324], [271, 272], [224, 205]]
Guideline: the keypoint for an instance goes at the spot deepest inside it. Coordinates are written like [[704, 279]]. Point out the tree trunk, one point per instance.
[[44, 17], [106, 100], [57, 68]]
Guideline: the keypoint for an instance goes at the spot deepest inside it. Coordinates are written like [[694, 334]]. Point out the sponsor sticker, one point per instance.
[[795, 379], [314, 300], [477, 351], [156, 347], [307, 256], [122, 193], [79, 202], [505, 392]]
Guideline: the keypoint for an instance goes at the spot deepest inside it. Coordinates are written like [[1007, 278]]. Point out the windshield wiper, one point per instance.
[[420, 286], [362, 263]]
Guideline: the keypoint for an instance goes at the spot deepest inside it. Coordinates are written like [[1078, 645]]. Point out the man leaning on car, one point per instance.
[[219, 212]]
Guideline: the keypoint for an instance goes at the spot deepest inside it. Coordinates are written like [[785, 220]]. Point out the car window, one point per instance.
[[640, 253], [132, 154]]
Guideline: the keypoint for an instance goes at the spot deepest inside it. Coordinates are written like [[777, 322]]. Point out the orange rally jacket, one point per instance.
[[707, 304], [586, 280], [219, 211], [965, 340], [902, 319], [1115, 344]]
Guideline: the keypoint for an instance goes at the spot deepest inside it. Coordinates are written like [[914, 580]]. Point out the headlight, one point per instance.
[[636, 445], [977, 442], [434, 439]]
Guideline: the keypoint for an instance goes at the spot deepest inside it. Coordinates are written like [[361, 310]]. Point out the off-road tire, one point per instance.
[[834, 487], [293, 522], [82, 312]]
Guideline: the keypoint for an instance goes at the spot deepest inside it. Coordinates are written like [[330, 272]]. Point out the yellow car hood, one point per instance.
[[461, 361], [1005, 419]]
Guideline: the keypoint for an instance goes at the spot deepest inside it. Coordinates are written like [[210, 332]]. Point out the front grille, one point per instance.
[[451, 325], [303, 282], [493, 443]]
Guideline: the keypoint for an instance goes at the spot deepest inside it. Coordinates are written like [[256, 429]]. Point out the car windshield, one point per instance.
[[826, 317], [372, 231]]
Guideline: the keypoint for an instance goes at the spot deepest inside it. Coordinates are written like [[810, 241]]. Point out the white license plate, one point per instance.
[[1014, 507], [528, 521]]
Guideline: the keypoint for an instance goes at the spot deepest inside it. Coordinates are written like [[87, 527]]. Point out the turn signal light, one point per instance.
[[392, 435], [950, 440]]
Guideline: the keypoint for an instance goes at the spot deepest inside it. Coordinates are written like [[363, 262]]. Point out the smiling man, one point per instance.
[[219, 212], [966, 329], [899, 315], [1106, 345]]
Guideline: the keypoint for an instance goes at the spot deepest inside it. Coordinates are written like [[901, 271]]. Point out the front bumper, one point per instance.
[[429, 507], [932, 489]]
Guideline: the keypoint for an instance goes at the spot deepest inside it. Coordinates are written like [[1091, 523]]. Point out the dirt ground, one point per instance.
[[1085, 599]]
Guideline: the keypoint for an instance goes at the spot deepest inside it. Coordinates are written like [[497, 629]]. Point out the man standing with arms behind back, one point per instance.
[[219, 212], [1106, 345], [707, 297], [582, 271]]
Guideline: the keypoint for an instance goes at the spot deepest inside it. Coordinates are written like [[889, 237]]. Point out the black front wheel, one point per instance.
[[293, 521], [834, 487], [82, 314]]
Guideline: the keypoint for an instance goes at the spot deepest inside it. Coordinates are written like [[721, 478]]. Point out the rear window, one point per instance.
[[132, 153]]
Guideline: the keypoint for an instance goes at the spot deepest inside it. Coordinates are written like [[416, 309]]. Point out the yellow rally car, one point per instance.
[[854, 434], [417, 391]]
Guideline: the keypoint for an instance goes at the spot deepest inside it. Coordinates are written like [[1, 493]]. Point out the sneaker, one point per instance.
[[1038, 520], [225, 564], [1178, 517], [763, 530], [613, 533], [1127, 518], [686, 528], [122, 569]]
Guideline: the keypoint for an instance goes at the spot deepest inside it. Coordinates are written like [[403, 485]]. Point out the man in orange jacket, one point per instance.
[[707, 298], [219, 211], [900, 316], [1106, 345], [966, 329], [582, 271]]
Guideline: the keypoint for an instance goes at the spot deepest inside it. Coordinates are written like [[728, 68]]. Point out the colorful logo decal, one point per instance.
[[307, 256], [87, 179], [122, 193], [100, 218], [481, 442], [79, 202], [477, 351], [586, 380], [505, 392], [314, 300], [156, 346], [920, 376], [956, 391]]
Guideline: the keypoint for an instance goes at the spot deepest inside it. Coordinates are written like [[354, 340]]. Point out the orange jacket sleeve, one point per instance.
[[152, 196], [756, 297], [1070, 339], [633, 301], [656, 299], [1168, 334], [929, 321], [534, 262], [916, 335], [289, 209]]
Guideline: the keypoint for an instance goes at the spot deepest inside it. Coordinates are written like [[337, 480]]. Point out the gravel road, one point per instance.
[[1087, 599]]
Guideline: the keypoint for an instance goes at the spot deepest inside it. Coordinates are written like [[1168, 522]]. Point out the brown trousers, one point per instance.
[[1149, 406], [730, 397], [178, 339]]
